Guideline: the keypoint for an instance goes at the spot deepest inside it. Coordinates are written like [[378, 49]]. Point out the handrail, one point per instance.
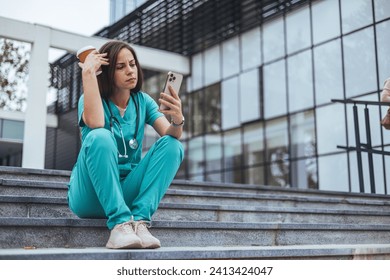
[[351, 101], [363, 147]]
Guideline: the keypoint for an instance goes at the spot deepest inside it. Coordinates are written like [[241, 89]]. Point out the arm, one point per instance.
[[173, 103], [93, 115], [385, 96]]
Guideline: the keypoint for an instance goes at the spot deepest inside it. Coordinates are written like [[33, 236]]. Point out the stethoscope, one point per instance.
[[133, 143]]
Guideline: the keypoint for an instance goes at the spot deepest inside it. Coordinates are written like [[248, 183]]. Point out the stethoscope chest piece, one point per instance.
[[133, 144]]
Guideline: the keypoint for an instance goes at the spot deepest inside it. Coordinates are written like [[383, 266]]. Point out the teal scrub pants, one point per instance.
[[97, 191]]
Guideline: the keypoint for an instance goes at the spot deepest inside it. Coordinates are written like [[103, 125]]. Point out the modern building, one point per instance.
[[258, 101], [120, 8]]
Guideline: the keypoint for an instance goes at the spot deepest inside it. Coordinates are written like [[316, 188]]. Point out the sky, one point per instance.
[[85, 17]]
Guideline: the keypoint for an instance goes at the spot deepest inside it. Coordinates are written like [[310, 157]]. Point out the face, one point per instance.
[[126, 72]]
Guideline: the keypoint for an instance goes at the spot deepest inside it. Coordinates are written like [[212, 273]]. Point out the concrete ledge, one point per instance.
[[21, 170]]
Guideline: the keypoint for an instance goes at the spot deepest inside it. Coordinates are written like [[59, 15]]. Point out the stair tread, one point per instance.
[[209, 206], [76, 222], [215, 252], [226, 194]]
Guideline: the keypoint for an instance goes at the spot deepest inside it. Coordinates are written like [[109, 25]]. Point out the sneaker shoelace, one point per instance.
[[127, 227], [142, 227]]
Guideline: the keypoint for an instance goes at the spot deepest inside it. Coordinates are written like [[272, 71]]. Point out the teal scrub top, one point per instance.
[[148, 113]]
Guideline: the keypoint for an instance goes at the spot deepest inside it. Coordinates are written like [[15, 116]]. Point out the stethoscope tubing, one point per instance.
[[113, 120]]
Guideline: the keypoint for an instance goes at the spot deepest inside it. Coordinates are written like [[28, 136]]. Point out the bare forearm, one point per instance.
[[175, 131], [93, 108]]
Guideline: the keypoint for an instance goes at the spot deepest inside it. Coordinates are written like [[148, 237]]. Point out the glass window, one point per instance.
[[325, 12], [230, 57], [382, 8], [153, 85], [213, 148], [298, 30], [359, 57], [303, 143], [277, 152], [150, 137], [212, 66], [214, 177], [249, 96], [181, 173], [254, 144], [197, 109], [300, 82], [330, 128], [255, 175], [187, 113], [233, 176], [232, 149], [251, 49], [333, 173], [383, 46], [355, 14], [387, 165], [212, 115], [195, 159], [13, 129], [273, 38], [230, 103], [304, 173], [196, 177], [328, 72], [378, 173], [275, 99], [1, 128], [197, 71]]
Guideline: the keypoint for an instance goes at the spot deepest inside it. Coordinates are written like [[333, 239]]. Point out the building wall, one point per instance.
[[258, 105], [258, 101], [120, 8]]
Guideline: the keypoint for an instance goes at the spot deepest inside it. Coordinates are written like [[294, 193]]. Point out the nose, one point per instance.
[[129, 69]]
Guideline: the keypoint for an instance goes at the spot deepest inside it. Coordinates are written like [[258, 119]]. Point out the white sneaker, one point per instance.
[[147, 239], [122, 236]]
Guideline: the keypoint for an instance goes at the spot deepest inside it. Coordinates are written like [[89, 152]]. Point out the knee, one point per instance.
[[172, 146], [102, 139]]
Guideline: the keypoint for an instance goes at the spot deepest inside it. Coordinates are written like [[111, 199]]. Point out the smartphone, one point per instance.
[[173, 79]]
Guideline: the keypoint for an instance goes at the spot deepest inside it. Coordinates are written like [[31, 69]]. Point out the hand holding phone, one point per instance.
[[174, 80]]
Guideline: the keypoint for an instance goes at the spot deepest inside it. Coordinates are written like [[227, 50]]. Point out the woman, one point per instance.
[[109, 179]]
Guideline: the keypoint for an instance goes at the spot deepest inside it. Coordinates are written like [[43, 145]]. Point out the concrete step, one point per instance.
[[74, 233], [261, 189], [10, 172], [57, 207], [61, 178], [233, 197], [300, 252], [212, 220]]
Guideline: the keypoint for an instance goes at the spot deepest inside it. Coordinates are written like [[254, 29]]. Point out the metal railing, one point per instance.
[[363, 147]]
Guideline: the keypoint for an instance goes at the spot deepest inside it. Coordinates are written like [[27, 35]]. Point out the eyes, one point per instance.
[[121, 66]]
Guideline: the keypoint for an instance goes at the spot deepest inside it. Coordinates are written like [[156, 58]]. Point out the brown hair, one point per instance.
[[106, 78]]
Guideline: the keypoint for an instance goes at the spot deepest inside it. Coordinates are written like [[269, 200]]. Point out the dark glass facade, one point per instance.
[[258, 100]]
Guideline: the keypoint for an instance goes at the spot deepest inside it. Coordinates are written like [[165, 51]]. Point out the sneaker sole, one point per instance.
[[127, 246], [153, 246]]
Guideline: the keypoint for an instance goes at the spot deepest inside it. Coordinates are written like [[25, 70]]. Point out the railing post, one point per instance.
[[358, 148], [369, 149]]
